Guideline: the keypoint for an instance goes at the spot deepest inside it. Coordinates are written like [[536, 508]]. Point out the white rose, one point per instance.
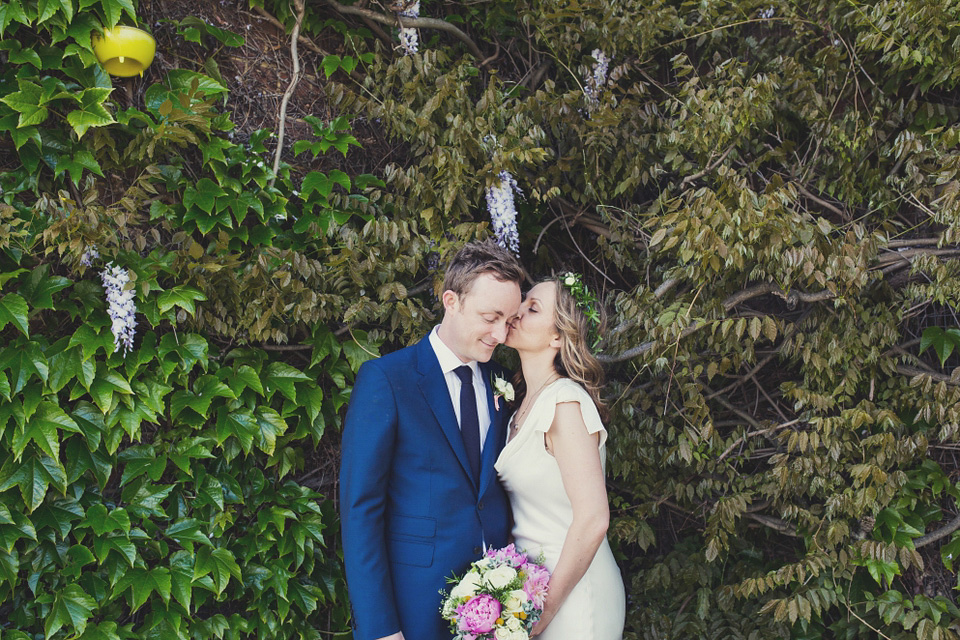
[[467, 587], [514, 624], [570, 280], [502, 633], [514, 601], [501, 576]]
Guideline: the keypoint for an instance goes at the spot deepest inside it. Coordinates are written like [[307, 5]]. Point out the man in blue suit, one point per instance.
[[419, 497]]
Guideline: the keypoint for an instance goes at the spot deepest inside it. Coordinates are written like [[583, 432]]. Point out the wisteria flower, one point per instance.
[[121, 306], [597, 78], [409, 40], [503, 211], [89, 256]]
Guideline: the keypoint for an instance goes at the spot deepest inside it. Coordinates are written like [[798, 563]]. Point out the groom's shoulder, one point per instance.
[[400, 359]]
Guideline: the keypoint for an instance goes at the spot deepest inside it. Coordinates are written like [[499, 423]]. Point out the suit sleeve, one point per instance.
[[369, 435]]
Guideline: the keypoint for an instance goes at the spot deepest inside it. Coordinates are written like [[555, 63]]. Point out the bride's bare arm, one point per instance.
[[578, 457]]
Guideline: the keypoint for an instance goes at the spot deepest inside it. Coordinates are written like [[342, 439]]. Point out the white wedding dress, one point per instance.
[[542, 513]]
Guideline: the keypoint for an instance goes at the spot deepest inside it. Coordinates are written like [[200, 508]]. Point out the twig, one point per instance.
[[823, 203], [774, 523], [295, 78], [710, 167], [411, 23]]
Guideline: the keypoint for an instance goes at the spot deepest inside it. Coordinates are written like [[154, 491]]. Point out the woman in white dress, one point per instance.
[[553, 463]]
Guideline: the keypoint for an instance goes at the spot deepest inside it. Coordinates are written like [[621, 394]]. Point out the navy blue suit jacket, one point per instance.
[[410, 511]]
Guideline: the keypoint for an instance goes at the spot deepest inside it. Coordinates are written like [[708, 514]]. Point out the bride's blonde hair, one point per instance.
[[575, 360]]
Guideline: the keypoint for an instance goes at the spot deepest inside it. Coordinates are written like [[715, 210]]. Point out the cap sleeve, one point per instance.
[[566, 390]]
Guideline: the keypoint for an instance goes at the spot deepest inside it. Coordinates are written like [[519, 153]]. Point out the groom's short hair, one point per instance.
[[477, 258]]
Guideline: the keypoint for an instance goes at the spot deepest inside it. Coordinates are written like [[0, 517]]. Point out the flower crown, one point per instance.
[[587, 302]]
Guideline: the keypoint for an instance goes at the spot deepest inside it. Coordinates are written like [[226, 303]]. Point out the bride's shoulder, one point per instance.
[[567, 390]]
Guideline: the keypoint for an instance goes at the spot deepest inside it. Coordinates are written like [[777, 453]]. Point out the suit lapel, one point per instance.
[[434, 388], [495, 435]]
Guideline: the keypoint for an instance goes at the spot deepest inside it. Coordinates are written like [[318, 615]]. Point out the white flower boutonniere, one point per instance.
[[502, 388]]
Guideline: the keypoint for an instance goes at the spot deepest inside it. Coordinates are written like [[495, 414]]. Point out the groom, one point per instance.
[[419, 497]]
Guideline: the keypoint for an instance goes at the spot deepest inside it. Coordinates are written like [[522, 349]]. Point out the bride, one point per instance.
[[552, 466]]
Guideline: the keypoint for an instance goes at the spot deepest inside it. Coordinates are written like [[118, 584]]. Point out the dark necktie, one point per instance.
[[469, 422]]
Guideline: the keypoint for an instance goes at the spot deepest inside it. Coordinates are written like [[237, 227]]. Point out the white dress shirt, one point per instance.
[[448, 362]]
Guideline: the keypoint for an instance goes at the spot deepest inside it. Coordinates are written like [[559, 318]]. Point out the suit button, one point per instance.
[[480, 505], [477, 551]]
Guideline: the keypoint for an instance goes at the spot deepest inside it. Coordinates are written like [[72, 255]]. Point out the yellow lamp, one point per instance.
[[124, 51]]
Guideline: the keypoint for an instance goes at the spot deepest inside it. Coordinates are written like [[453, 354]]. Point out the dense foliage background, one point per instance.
[[765, 194]]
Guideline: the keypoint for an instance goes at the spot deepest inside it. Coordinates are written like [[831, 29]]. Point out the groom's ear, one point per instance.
[[450, 300]]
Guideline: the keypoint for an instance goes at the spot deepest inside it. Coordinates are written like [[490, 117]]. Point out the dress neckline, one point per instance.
[[510, 429]]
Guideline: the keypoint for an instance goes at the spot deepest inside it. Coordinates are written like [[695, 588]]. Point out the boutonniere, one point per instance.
[[501, 388]]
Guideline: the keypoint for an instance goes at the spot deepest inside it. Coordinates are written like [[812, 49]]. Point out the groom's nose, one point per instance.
[[500, 331]]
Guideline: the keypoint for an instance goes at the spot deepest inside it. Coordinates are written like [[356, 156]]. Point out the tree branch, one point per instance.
[[942, 532], [294, 80], [421, 23]]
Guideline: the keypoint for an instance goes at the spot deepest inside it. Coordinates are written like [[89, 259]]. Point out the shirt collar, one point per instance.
[[447, 358]]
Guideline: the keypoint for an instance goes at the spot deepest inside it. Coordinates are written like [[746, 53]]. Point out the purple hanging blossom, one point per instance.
[[89, 256], [598, 78], [120, 306], [409, 40], [503, 211]]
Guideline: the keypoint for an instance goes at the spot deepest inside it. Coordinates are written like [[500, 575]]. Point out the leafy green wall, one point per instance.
[[765, 193]]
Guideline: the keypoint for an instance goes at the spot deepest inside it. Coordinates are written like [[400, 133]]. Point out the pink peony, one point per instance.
[[535, 584], [479, 614]]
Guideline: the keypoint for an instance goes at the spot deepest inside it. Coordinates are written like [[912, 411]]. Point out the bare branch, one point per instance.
[[294, 80], [417, 23], [939, 377], [942, 532], [774, 523]]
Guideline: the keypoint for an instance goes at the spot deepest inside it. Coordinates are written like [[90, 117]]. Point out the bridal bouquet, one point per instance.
[[500, 597]]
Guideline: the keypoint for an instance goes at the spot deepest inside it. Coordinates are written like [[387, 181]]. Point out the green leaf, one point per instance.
[[58, 515], [102, 631], [105, 385], [281, 376], [38, 288], [28, 102], [203, 195], [13, 308], [33, 476], [186, 531], [114, 9], [241, 424], [181, 577], [91, 113], [72, 607], [218, 562], [76, 164], [103, 521], [330, 64], [180, 296], [271, 425], [143, 582], [316, 181], [182, 80], [147, 498], [43, 429]]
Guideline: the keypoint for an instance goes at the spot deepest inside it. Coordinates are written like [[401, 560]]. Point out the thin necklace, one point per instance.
[[532, 399]]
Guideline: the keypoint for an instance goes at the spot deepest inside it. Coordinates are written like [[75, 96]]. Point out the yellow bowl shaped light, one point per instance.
[[124, 51]]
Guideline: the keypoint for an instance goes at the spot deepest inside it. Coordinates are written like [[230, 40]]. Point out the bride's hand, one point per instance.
[[545, 618]]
